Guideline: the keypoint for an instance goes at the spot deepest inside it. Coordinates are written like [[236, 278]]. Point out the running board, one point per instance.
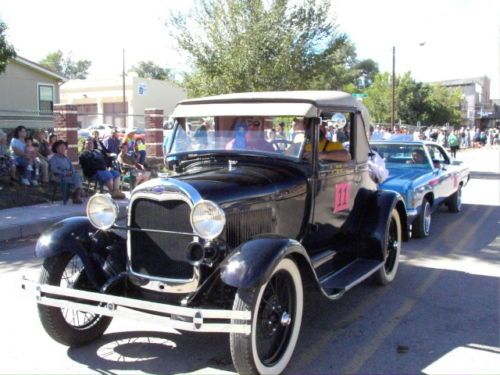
[[339, 282]]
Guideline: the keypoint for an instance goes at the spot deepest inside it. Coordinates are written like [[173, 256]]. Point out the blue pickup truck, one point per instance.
[[426, 176]]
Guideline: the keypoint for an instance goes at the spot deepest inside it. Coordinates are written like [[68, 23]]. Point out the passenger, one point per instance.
[[328, 150]]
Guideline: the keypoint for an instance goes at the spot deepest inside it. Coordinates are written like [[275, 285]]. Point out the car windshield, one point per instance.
[[402, 155], [272, 136]]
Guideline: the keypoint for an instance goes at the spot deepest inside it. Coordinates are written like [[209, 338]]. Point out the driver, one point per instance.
[[417, 156], [249, 137]]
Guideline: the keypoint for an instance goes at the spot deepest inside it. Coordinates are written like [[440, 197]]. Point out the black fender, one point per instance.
[[77, 235], [369, 220], [252, 263]]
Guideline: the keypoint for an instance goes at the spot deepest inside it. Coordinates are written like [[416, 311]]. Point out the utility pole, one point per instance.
[[393, 109], [123, 92]]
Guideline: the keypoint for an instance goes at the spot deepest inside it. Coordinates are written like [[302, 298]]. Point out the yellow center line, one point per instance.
[[365, 352]]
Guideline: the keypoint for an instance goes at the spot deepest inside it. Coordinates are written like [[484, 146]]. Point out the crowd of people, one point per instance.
[[454, 139], [34, 158]]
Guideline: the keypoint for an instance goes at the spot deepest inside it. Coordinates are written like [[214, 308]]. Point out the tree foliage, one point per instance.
[[148, 69], [259, 45], [65, 66], [6, 49], [367, 70], [415, 101]]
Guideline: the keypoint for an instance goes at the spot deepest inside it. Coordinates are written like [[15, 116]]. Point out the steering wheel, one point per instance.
[[281, 145]]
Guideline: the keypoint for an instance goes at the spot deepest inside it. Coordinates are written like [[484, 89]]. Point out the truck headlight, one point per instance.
[[102, 211], [207, 219]]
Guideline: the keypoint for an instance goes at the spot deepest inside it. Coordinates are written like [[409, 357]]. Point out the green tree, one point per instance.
[[443, 106], [148, 69], [379, 98], [65, 66], [6, 49], [415, 101], [412, 103], [367, 70], [258, 45]]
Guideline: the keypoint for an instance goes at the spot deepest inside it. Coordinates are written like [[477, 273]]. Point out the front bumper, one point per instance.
[[170, 316]]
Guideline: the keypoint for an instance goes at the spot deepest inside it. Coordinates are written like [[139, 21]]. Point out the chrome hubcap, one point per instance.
[[427, 218], [286, 319]]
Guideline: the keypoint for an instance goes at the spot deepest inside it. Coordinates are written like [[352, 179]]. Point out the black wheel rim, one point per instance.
[[392, 247], [74, 277], [275, 318]]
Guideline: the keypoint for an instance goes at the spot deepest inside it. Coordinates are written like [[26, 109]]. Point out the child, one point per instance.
[[141, 150], [31, 153]]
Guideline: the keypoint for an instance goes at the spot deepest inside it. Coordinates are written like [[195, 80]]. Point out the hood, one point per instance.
[[400, 179], [241, 183]]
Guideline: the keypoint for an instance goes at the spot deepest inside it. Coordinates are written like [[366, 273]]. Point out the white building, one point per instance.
[[102, 102], [476, 105]]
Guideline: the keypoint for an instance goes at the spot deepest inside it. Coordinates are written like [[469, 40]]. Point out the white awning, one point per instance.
[[245, 109]]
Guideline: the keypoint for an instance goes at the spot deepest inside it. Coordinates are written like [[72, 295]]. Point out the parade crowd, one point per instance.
[[35, 158]]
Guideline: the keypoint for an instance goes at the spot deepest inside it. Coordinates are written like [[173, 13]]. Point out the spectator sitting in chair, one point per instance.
[[112, 143], [136, 169], [43, 154], [7, 165], [99, 145], [21, 158], [62, 170], [94, 166]]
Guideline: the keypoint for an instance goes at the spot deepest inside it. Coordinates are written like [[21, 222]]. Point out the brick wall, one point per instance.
[[66, 128], [153, 120]]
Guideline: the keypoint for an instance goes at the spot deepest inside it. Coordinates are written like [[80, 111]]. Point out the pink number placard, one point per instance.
[[341, 197]]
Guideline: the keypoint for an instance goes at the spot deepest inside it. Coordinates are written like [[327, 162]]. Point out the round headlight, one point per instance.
[[207, 219], [102, 211]]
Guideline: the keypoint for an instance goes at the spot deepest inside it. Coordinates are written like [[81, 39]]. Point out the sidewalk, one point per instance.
[[27, 221]]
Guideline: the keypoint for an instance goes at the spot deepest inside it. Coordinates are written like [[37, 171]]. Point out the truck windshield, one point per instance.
[[403, 155], [275, 136]]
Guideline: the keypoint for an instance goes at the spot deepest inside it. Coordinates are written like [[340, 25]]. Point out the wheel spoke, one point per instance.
[[272, 336], [70, 276]]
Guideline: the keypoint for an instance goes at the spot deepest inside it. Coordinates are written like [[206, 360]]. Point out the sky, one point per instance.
[[461, 37]]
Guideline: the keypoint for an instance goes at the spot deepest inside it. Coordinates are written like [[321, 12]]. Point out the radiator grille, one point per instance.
[[160, 254], [241, 226]]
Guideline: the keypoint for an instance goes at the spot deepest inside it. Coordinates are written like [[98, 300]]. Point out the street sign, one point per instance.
[[360, 95]]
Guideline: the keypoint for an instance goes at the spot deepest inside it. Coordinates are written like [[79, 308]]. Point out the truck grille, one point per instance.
[[160, 254]]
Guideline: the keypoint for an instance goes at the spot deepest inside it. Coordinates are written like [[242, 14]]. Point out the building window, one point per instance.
[[45, 98], [87, 115], [115, 114]]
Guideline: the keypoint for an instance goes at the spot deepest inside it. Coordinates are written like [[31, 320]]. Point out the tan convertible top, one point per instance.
[[278, 103]]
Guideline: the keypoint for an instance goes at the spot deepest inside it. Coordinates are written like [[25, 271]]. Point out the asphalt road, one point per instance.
[[440, 315]]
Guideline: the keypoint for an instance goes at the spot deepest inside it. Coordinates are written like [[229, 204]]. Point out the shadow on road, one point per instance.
[[156, 353]]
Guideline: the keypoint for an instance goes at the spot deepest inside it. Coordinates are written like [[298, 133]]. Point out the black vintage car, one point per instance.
[[259, 202]]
